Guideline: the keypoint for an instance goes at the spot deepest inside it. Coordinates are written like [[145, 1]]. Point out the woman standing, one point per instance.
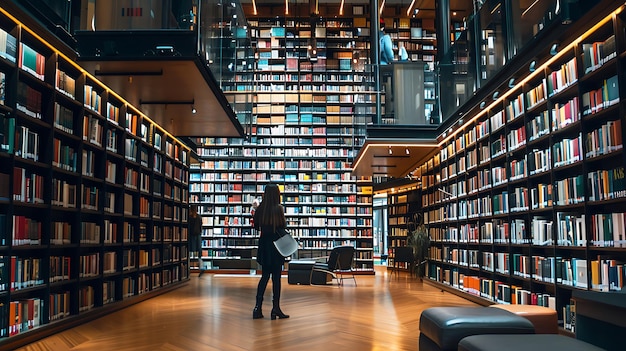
[[195, 235], [269, 218]]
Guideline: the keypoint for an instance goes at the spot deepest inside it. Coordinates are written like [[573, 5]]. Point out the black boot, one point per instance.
[[276, 312], [257, 313]]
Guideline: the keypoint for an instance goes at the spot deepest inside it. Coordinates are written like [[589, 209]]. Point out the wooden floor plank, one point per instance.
[[214, 312]]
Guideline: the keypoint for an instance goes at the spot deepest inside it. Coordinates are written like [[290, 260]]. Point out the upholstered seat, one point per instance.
[[441, 328], [532, 342]]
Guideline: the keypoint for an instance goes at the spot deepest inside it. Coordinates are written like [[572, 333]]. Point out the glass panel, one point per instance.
[[492, 40], [56, 11], [138, 14], [409, 93], [528, 18], [224, 40], [457, 78]]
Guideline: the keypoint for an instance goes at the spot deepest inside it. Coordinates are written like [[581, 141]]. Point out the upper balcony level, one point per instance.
[[493, 39], [164, 56]]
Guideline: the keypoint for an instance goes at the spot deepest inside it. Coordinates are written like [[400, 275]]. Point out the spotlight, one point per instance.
[[532, 65], [193, 110], [554, 49]]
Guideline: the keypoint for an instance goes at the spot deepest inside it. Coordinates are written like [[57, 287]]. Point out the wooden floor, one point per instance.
[[214, 312]]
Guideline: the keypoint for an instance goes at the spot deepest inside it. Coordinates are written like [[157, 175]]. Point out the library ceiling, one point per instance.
[[169, 91], [392, 158], [420, 9]]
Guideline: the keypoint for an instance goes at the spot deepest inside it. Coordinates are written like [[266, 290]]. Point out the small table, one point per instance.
[[299, 272]]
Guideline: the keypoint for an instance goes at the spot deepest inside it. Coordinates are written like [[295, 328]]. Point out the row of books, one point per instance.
[[570, 231], [28, 186], [31, 61], [8, 46], [20, 316], [25, 231]]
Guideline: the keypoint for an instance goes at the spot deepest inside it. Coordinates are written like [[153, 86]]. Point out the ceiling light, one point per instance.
[[390, 151], [512, 83], [554, 49], [193, 109], [408, 10]]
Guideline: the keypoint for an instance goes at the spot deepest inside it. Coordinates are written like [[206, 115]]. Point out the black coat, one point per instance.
[[267, 254]]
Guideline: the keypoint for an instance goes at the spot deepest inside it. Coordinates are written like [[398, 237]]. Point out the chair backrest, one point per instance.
[[341, 258], [404, 254]]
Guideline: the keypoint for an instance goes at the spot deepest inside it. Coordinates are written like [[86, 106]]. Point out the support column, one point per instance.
[[375, 54], [445, 92]]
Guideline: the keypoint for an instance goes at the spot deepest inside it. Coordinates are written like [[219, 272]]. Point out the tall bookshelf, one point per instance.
[[93, 201], [525, 202], [309, 114], [403, 212]]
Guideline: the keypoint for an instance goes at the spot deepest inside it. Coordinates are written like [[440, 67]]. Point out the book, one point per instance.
[[8, 46], [2, 88]]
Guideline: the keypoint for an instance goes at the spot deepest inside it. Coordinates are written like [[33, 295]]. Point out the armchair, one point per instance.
[[339, 263]]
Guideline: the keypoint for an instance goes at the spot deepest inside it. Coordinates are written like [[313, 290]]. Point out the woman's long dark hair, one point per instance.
[[270, 211]]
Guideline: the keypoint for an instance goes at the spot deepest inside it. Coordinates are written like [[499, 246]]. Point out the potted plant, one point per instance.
[[420, 242]]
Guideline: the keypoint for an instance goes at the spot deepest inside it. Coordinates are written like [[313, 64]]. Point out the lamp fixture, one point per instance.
[[554, 49], [407, 151], [495, 95], [482, 105], [531, 67], [193, 109], [390, 151], [512, 83], [341, 8], [286, 7], [382, 7]]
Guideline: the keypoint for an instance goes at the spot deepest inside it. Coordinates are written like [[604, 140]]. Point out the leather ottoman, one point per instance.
[[543, 318], [534, 342], [299, 272], [441, 328]]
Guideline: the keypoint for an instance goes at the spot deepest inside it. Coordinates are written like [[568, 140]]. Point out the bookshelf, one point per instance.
[[536, 180], [93, 202], [309, 112], [403, 205]]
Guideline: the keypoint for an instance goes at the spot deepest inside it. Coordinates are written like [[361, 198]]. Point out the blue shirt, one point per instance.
[[386, 49]]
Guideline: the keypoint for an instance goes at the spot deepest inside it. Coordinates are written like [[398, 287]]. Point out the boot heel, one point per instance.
[[278, 314], [257, 313]]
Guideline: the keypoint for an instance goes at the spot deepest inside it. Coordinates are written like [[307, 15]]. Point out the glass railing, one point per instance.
[[103, 15], [225, 44], [495, 34], [217, 34], [408, 92], [457, 72]]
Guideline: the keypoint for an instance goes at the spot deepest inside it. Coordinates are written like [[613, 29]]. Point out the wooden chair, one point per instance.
[[403, 255]]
